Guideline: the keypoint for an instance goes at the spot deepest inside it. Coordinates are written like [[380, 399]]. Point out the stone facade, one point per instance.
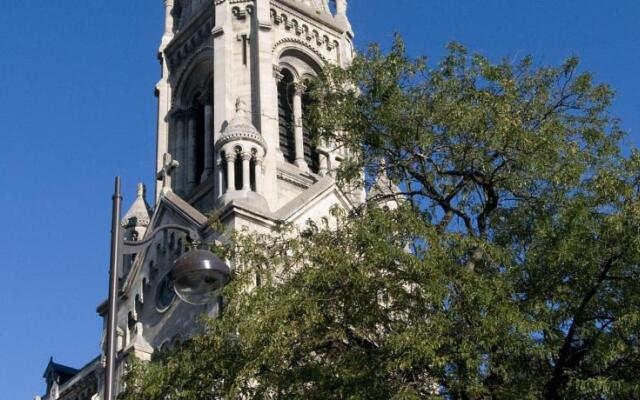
[[230, 139]]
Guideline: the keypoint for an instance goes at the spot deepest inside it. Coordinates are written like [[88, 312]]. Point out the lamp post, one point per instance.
[[196, 277]]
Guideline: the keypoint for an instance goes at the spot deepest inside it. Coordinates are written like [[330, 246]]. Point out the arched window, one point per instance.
[[190, 127], [296, 139], [238, 169], [285, 116]]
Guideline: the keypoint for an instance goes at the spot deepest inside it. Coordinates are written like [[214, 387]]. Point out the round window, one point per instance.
[[164, 294]]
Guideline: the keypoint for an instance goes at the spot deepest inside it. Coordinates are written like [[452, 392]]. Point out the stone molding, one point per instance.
[[304, 29], [185, 68], [299, 42], [189, 39], [241, 132], [289, 173]]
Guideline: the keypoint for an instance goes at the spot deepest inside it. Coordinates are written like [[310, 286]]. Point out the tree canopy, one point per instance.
[[506, 268]]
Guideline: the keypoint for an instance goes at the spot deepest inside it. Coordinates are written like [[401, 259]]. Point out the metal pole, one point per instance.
[[113, 293]]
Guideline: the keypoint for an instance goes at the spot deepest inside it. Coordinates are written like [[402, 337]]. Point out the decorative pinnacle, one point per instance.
[[141, 190], [241, 108]]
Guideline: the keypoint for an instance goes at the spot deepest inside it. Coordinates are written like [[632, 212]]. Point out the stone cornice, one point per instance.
[[304, 31], [323, 19], [241, 133], [289, 173], [245, 210]]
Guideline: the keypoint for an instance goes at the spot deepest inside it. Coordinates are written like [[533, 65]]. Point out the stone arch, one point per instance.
[[191, 121], [296, 66], [196, 75], [300, 47], [301, 61], [237, 165]]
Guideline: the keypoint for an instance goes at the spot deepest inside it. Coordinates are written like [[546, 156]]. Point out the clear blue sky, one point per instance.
[[77, 108]]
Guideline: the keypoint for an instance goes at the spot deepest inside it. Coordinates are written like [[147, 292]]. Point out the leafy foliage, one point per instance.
[[508, 270]]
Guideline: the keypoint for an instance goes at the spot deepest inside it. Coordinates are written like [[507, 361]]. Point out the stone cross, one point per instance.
[[168, 165]]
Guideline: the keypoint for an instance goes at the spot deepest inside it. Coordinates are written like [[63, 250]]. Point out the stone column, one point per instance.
[[208, 142], [258, 173], [246, 172], [299, 134], [180, 151], [220, 186], [163, 94], [231, 171], [324, 164], [173, 143], [168, 17], [277, 77], [191, 153]]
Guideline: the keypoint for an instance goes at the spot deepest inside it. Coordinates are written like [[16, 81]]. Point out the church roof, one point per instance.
[[67, 377], [140, 213], [305, 199], [63, 371]]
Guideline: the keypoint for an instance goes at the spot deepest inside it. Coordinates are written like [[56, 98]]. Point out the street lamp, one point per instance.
[[197, 277]]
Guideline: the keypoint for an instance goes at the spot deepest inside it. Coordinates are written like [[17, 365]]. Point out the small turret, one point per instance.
[[241, 150], [137, 219]]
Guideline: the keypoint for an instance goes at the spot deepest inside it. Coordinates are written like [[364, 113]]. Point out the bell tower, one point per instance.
[[231, 99]]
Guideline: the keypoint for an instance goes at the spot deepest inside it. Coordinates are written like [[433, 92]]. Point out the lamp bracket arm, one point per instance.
[[135, 247]]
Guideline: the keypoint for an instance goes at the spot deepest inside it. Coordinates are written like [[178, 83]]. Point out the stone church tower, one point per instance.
[[231, 99], [230, 141]]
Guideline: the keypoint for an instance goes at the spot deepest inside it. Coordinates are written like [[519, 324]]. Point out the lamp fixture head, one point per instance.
[[198, 276]]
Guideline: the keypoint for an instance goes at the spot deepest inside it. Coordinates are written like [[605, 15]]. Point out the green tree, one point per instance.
[[509, 269]]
